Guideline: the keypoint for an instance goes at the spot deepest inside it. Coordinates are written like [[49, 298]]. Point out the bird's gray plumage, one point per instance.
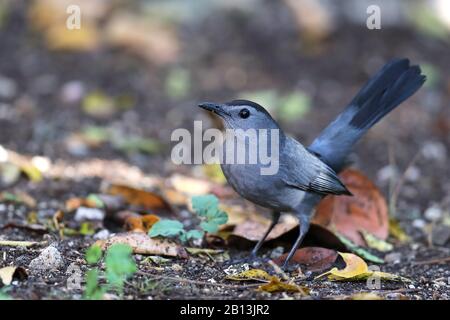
[[306, 175]]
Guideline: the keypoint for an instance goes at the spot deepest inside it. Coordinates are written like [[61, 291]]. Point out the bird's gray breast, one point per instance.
[[267, 190]]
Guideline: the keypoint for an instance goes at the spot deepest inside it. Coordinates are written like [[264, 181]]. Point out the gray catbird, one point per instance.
[[306, 175]]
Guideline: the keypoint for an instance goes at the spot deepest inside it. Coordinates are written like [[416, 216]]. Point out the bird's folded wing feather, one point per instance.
[[305, 171]]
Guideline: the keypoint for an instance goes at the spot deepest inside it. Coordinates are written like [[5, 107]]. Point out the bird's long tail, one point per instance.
[[392, 85]]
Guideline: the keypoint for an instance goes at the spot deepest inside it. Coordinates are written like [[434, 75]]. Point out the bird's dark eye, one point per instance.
[[244, 113]]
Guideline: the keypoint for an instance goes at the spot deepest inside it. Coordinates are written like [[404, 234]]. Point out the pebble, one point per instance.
[[434, 151], [276, 253], [102, 234], [441, 235], [84, 213], [8, 88], [433, 213], [419, 224], [387, 173], [393, 257], [49, 259], [72, 91]]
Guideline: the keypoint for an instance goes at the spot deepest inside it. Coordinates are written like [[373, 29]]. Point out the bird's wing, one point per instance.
[[303, 170]]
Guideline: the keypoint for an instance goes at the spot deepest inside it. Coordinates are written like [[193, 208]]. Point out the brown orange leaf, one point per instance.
[[138, 197], [313, 258], [365, 210]]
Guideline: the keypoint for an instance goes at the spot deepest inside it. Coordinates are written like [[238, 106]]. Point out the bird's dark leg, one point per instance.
[[275, 218], [304, 227]]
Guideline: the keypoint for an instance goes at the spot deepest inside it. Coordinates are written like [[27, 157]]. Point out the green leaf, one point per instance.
[[358, 250], [209, 226], [86, 229], [166, 228], [96, 199], [294, 106], [219, 218], [204, 205], [194, 234], [93, 254], [119, 265], [178, 83], [92, 290]]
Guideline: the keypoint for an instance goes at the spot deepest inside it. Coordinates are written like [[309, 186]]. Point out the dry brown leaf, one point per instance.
[[312, 258], [190, 186], [365, 210], [254, 230], [150, 39], [141, 223], [252, 274], [7, 274], [138, 197], [276, 285], [141, 243]]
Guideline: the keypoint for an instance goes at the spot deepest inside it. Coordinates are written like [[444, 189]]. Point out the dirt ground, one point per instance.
[[271, 57]]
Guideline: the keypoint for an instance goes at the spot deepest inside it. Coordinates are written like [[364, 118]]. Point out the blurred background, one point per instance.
[[118, 87]]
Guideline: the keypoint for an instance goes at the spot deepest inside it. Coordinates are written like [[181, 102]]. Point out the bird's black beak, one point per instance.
[[217, 108]]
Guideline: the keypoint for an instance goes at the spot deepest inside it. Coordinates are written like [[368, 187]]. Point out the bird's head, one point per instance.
[[241, 114]]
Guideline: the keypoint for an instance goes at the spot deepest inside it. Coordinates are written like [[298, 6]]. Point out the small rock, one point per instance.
[[8, 88], [387, 173], [72, 91], [276, 253], [412, 174], [102, 235], [440, 235], [433, 213], [84, 213], [434, 151], [393, 257], [50, 259], [419, 224]]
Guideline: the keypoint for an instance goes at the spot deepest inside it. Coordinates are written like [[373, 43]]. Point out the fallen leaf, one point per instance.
[[214, 172], [9, 174], [365, 210], [276, 285], [254, 230], [358, 250], [366, 296], [141, 243], [356, 269], [141, 223], [156, 260], [207, 251], [397, 232], [73, 204], [313, 258], [375, 243], [190, 186], [132, 32], [7, 274], [252, 274], [354, 266], [138, 197]]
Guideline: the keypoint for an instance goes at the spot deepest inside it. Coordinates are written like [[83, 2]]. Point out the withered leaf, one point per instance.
[[141, 243], [365, 210], [312, 258]]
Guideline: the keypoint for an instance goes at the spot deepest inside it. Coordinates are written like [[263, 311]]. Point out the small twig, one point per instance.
[[432, 261], [198, 282], [25, 244], [278, 270]]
